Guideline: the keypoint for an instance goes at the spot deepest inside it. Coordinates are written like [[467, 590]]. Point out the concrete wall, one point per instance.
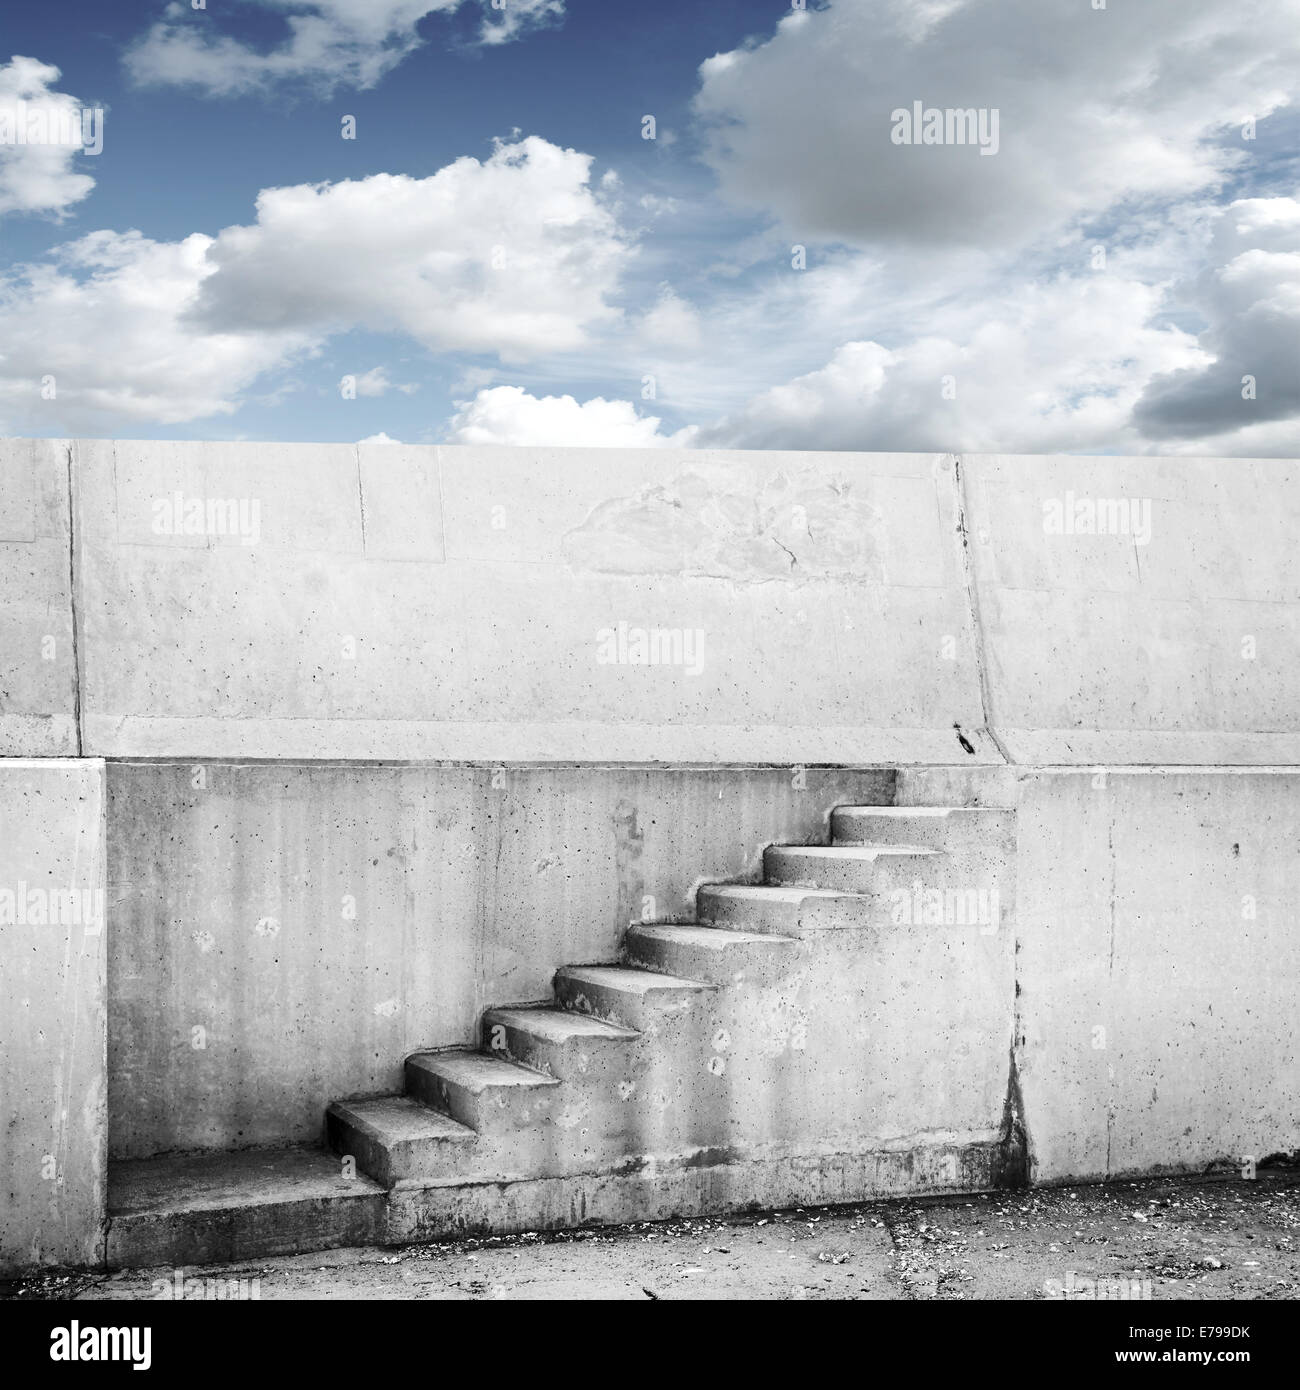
[[53, 1122], [1172, 640], [37, 656], [446, 603], [320, 922], [434, 615], [1158, 953], [425, 602]]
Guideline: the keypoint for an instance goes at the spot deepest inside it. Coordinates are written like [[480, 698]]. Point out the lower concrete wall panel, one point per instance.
[[1158, 954], [53, 1120]]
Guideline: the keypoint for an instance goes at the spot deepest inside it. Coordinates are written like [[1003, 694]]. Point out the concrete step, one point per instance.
[[760, 909], [556, 1041], [707, 953], [489, 1094], [396, 1139], [201, 1209], [847, 868], [625, 996], [950, 828]]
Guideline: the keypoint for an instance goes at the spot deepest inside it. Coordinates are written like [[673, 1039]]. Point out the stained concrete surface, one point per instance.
[[53, 1008], [318, 923], [1156, 959], [1214, 1238]]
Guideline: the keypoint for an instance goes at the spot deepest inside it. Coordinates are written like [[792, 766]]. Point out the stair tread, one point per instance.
[[394, 1119], [713, 938], [559, 1025], [853, 851], [629, 979], [479, 1071], [220, 1181], [902, 811]]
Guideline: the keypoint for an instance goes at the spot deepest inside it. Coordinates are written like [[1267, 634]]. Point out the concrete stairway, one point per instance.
[[806, 1040], [629, 1062]]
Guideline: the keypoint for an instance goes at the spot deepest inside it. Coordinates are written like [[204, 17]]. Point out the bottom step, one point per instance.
[[211, 1208], [229, 1208]]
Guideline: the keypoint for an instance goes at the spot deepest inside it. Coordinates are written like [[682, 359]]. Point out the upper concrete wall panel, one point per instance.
[[1138, 610], [405, 602], [37, 656]]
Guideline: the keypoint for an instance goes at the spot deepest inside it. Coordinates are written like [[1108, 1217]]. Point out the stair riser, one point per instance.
[[972, 889], [408, 1160], [792, 866], [730, 965], [497, 1110], [962, 830], [644, 1012], [584, 1059], [776, 919]]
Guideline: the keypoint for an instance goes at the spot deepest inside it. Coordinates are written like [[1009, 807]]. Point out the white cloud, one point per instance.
[[1063, 365], [671, 322], [331, 43], [380, 438], [1250, 301], [1097, 109], [373, 383], [509, 415], [38, 178], [106, 320], [1047, 368], [515, 255], [170, 331]]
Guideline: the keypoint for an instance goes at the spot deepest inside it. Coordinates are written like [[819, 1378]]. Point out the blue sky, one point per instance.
[[501, 256]]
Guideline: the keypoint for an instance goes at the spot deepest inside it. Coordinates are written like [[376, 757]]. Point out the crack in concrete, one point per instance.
[[973, 606]]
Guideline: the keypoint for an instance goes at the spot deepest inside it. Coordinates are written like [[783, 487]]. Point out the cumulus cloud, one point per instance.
[[38, 177], [1097, 109], [375, 382], [671, 322], [1053, 367], [169, 331], [330, 43], [1058, 366], [1250, 301], [105, 323], [510, 415], [515, 255]]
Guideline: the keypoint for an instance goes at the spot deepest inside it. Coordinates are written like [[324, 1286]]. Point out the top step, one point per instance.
[[950, 828]]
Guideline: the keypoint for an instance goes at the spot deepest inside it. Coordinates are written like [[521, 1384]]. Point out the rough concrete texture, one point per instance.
[[1169, 637], [38, 659], [439, 602], [320, 923], [449, 603], [245, 1204], [1163, 1240], [1156, 962], [53, 1125]]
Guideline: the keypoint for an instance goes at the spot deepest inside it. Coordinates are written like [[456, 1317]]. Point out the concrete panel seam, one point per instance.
[[73, 579]]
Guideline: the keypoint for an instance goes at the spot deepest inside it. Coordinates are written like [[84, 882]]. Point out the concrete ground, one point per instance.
[[1201, 1239]]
